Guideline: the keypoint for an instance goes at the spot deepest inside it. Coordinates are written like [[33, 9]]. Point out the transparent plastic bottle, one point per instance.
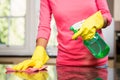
[[97, 46]]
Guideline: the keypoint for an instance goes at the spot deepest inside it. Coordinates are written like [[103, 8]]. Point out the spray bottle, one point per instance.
[[97, 46]]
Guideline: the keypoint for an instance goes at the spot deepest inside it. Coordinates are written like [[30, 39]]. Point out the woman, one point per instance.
[[66, 13]]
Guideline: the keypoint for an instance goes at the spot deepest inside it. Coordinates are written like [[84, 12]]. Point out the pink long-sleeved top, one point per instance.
[[66, 13]]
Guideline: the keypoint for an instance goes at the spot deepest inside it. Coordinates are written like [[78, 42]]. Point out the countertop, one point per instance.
[[62, 73]]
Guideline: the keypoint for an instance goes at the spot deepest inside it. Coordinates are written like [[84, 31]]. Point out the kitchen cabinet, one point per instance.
[[118, 46]]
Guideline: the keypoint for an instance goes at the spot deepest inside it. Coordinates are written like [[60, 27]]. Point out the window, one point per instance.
[[16, 22], [18, 28], [12, 22]]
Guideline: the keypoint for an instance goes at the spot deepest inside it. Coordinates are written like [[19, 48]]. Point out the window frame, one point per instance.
[[31, 26], [30, 34]]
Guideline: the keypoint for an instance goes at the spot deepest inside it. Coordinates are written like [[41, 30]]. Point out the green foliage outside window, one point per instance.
[[4, 11], [12, 22]]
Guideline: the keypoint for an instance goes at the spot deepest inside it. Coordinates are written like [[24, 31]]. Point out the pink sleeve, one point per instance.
[[45, 18], [103, 6]]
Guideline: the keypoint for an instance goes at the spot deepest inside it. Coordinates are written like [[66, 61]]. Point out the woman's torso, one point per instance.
[[66, 13]]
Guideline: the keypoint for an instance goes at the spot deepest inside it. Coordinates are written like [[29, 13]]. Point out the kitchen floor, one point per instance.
[[15, 60]]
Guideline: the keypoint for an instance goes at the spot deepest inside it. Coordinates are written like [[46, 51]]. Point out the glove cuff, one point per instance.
[[39, 53], [99, 20]]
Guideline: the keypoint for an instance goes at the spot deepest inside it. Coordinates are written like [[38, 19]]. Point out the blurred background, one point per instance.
[[18, 28]]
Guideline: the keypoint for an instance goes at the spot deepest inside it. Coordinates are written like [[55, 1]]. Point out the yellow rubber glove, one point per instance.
[[42, 75], [89, 26], [39, 58]]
